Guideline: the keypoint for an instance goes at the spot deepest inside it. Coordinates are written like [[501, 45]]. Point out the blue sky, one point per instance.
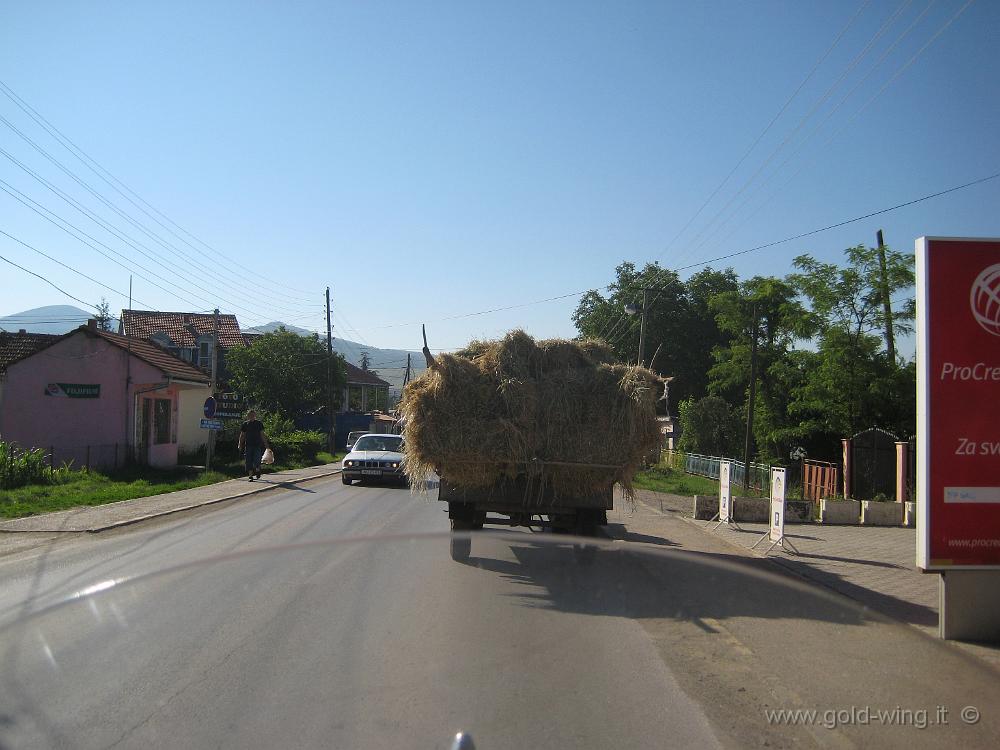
[[428, 160]]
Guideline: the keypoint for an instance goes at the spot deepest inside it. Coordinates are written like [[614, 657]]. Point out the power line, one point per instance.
[[842, 223], [853, 117], [798, 149], [23, 199], [826, 95], [114, 231], [109, 178], [768, 127], [709, 261], [68, 268], [125, 238], [39, 276]]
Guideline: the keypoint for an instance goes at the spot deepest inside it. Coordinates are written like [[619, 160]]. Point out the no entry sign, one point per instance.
[[958, 403]]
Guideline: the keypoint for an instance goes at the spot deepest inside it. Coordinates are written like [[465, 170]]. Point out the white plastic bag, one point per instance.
[[268, 457]]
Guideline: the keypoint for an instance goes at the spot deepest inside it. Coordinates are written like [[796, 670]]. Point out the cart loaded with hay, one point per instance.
[[529, 433]]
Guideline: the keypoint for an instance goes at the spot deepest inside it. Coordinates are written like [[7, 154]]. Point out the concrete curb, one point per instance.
[[213, 501], [171, 511]]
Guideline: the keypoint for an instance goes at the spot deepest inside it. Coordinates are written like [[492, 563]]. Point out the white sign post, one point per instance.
[[725, 514], [776, 531]]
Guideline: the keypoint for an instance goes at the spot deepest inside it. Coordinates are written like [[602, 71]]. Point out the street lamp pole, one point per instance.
[[631, 309], [642, 327]]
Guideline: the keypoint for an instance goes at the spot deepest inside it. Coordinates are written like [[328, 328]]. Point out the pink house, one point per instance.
[[97, 398]]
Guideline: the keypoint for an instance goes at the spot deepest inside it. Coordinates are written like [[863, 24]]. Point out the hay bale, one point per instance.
[[499, 407]]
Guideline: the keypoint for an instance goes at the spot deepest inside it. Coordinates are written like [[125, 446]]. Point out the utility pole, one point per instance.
[[210, 448], [748, 444], [890, 343], [130, 430], [406, 378], [329, 375]]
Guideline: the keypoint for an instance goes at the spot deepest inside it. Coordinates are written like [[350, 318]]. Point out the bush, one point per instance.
[[289, 444], [21, 467], [297, 445]]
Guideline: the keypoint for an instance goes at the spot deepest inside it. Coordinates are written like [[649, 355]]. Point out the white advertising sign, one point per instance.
[[777, 530], [725, 494]]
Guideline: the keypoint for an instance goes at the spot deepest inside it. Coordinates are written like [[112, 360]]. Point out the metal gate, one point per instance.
[[873, 464]]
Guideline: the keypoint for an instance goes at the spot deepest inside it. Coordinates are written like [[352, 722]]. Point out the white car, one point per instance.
[[375, 457], [352, 438]]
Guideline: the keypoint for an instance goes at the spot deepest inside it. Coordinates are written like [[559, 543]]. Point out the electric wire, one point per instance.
[[109, 178], [829, 115], [122, 236], [185, 257], [47, 281], [767, 128], [809, 114]]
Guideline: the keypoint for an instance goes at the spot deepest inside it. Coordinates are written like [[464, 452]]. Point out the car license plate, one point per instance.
[[372, 472]]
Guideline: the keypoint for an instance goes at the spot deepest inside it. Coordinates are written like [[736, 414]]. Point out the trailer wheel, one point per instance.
[[587, 522], [461, 548]]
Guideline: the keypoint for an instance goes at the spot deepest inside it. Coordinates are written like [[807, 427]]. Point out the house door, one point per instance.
[[145, 420]]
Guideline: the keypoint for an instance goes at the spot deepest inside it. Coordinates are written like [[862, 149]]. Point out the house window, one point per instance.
[[354, 397], [161, 421], [205, 355]]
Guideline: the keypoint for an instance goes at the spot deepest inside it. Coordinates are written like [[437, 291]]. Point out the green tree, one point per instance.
[[853, 384], [781, 322], [711, 426], [850, 298], [103, 315], [679, 321], [284, 373]]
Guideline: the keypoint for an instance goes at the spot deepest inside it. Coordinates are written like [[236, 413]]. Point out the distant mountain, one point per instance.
[[275, 325], [49, 319], [390, 364]]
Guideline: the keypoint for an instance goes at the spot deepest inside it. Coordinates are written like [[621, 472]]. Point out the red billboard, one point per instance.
[[958, 403]]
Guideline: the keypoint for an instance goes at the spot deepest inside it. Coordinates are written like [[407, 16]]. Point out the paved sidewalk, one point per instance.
[[874, 566], [112, 515]]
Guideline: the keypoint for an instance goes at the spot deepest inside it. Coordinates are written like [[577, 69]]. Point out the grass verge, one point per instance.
[[675, 482], [82, 488]]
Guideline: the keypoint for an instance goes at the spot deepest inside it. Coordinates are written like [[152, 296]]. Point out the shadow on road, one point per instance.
[[605, 580], [618, 531]]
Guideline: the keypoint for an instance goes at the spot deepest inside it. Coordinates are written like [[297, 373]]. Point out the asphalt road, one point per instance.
[[392, 643]]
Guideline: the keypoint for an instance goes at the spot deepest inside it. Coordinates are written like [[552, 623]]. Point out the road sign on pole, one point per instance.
[[210, 407], [211, 424]]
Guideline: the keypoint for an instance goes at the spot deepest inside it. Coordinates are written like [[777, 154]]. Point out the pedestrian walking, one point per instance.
[[252, 443]]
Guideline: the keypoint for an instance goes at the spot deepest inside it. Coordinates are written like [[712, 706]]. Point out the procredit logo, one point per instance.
[[985, 299]]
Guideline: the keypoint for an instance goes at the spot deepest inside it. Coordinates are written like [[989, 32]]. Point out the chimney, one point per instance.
[[23, 330], [187, 318], [92, 324]]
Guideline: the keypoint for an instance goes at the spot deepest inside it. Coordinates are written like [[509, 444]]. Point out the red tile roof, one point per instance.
[[167, 363], [358, 376], [15, 346], [182, 328]]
